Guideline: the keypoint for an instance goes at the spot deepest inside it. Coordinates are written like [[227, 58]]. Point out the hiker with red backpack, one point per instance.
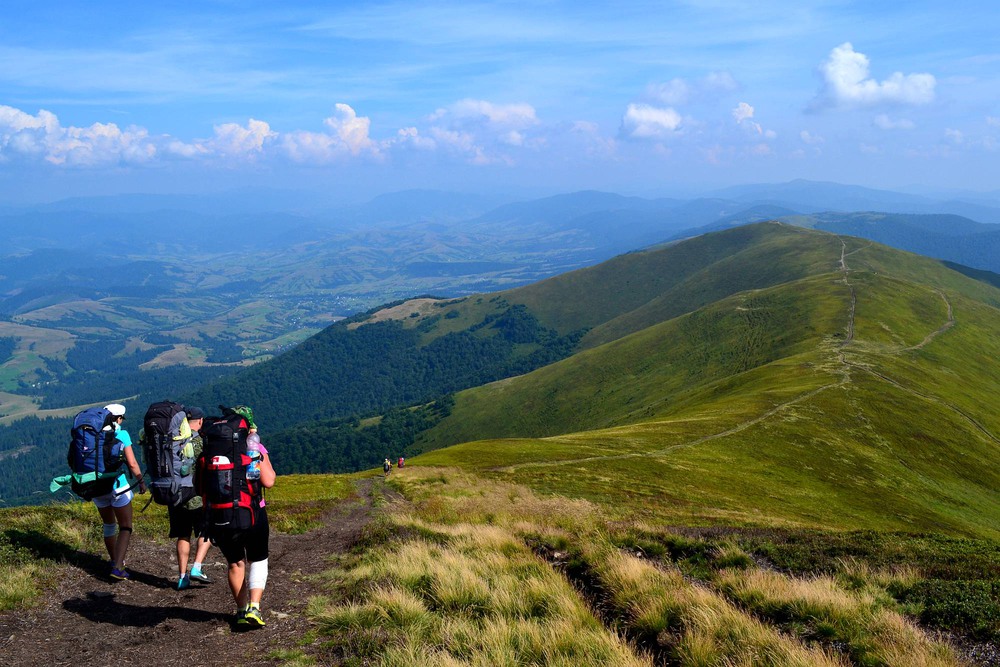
[[234, 469]]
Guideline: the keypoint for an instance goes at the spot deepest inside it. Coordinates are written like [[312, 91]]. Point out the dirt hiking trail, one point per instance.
[[89, 619]]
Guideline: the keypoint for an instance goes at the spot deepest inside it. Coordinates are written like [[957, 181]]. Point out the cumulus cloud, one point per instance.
[[743, 114], [484, 131], [642, 121], [954, 136], [847, 83], [410, 136], [348, 135], [42, 136], [883, 122], [993, 120], [231, 141]]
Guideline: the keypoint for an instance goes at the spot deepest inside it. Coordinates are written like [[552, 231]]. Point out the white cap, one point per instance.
[[117, 409]]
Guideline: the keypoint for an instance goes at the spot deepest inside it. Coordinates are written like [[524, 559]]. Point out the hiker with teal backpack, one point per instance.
[[99, 446], [234, 469]]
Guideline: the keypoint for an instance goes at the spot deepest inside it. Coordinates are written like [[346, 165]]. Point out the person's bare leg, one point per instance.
[[202, 550], [237, 577], [183, 551], [124, 517]]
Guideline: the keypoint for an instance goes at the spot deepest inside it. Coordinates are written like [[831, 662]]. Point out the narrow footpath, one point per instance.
[[88, 619]]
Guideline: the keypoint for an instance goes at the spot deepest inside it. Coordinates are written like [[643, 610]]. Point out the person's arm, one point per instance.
[[267, 475], [133, 466]]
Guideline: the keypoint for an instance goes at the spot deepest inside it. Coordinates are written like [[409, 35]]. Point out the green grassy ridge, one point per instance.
[[780, 255], [596, 295], [639, 376], [894, 437]]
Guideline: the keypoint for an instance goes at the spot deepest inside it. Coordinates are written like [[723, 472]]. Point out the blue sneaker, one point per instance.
[[120, 575], [183, 582], [198, 575]]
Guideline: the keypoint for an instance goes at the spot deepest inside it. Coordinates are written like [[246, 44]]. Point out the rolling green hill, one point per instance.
[[860, 397]]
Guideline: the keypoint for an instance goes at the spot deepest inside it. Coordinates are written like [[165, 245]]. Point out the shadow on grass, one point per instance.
[[42, 546]]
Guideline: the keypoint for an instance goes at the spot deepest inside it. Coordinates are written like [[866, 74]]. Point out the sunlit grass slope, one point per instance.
[[859, 398], [468, 571]]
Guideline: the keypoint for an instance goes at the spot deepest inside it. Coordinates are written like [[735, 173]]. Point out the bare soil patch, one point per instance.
[[89, 619]]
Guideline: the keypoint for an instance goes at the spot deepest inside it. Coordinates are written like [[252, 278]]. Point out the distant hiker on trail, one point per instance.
[[386, 466], [234, 468], [401, 462], [189, 517]]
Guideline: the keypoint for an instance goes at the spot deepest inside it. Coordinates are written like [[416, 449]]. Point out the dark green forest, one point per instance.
[[377, 367], [346, 444], [312, 426], [7, 346]]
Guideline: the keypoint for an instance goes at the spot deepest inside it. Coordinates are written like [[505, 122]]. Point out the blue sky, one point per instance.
[[359, 98]]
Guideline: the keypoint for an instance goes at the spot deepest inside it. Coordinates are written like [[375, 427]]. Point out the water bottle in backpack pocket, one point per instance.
[[231, 500]]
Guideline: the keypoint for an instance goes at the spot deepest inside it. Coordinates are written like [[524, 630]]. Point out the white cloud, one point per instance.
[[483, 131], [642, 121], [882, 121], [410, 136], [42, 136], [993, 120], [233, 140], [743, 112], [351, 129], [847, 83], [517, 116], [348, 135], [810, 138], [954, 136]]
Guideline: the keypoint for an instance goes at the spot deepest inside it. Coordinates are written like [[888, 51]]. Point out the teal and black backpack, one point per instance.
[[95, 453]]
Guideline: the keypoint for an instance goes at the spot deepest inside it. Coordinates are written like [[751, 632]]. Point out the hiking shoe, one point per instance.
[[183, 582], [200, 576], [120, 575], [253, 618]]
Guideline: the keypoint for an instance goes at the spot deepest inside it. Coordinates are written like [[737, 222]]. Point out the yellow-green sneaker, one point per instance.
[[253, 617]]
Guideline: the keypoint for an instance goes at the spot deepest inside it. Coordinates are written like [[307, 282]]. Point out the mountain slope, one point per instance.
[[864, 404]]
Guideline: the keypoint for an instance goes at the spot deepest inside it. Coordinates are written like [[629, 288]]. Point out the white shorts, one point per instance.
[[111, 500]]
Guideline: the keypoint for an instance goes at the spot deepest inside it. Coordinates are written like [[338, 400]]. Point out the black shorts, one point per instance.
[[184, 522], [250, 544]]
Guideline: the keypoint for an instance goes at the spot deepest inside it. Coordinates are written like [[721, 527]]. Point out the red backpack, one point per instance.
[[231, 500]]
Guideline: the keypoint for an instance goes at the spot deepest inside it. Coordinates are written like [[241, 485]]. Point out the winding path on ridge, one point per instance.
[[846, 365], [90, 620]]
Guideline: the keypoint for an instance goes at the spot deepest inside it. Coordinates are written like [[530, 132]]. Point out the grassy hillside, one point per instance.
[[855, 399]]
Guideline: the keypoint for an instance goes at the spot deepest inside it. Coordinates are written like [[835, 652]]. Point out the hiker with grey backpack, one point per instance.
[[170, 446]]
